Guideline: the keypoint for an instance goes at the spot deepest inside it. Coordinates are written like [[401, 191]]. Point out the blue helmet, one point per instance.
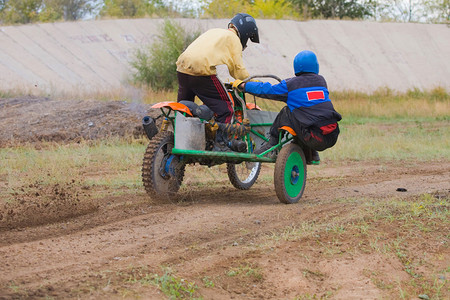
[[306, 61]]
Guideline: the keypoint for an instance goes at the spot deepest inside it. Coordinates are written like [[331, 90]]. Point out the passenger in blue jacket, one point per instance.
[[309, 110]]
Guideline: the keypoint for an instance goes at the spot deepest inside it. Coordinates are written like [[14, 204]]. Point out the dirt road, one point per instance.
[[363, 230], [110, 251]]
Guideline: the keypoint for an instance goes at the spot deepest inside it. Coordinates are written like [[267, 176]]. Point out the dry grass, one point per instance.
[[354, 106], [383, 126], [392, 141], [122, 93], [109, 164], [387, 104]]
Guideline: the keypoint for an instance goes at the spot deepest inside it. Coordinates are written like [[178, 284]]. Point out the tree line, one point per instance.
[[31, 11]]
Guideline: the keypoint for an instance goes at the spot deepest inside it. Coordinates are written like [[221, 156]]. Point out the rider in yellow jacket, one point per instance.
[[215, 47], [196, 66]]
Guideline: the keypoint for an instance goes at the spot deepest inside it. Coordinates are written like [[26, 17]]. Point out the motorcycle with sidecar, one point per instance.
[[187, 134]]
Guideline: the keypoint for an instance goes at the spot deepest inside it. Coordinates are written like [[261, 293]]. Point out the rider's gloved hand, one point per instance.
[[237, 84]]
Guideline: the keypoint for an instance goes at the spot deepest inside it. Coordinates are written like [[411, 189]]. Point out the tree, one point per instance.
[[20, 11], [68, 10], [399, 10], [224, 9], [75, 9], [124, 8], [332, 9], [273, 9], [134, 8], [155, 66], [51, 11], [438, 11]]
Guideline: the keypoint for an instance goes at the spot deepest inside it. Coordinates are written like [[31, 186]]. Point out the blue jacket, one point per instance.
[[306, 96]]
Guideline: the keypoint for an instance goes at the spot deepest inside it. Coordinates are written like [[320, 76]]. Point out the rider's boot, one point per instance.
[[312, 157], [315, 157], [266, 146], [238, 145], [220, 144]]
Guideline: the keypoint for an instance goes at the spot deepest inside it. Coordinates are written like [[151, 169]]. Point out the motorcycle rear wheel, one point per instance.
[[159, 182]]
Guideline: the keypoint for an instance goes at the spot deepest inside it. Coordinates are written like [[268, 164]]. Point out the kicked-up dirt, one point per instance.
[[363, 230]]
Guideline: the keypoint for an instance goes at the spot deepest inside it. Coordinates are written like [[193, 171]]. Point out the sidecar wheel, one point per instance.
[[290, 174]]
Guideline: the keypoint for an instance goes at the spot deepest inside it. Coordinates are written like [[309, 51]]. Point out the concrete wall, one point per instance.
[[94, 55]]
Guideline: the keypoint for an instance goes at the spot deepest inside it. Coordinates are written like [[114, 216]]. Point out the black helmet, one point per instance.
[[246, 27]]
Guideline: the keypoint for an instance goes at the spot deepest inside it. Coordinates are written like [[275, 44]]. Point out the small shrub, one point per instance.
[[175, 287], [155, 65]]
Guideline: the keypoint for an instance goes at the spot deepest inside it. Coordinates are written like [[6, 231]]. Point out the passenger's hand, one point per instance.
[[237, 84]]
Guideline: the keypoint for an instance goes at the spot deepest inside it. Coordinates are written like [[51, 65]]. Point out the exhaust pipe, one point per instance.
[[150, 128]]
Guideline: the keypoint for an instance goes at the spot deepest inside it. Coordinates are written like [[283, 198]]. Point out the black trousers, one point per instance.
[[310, 137], [209, 90]]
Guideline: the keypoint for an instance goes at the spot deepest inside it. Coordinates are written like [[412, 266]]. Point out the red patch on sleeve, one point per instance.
[[315, 95]]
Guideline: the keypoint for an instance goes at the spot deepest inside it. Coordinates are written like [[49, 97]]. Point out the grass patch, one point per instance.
[[168, 283], [392, 141], [135, 282], [245, 271], [115, 164], [174, 287], [385, 126], [386, 104], [110, 164]]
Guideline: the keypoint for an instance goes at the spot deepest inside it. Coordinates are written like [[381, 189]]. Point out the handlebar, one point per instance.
[[236, 91], [262, 76]]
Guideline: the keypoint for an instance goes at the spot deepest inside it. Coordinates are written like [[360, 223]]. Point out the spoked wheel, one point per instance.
[[162, 172], [242, 176], [290, 174]]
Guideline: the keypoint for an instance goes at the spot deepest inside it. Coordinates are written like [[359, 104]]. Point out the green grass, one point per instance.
[[392, 141], [246, 270], [111, 164], [168, 283], [385, 126], [114, 164]]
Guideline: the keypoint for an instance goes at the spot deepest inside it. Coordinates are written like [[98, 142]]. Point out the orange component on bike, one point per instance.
[[231, 98], [173, 105], [289, 129], [238, 115], [253, 106]]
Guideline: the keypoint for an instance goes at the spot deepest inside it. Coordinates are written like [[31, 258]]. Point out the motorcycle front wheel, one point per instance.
[[242, 176]]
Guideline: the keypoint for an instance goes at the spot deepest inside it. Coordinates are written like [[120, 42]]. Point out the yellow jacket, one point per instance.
[[214, 47]]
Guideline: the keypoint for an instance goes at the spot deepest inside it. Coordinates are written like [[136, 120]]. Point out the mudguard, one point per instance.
[[288, 129], [174, 106]]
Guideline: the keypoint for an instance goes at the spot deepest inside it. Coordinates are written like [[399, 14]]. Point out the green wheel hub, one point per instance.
[[294, 174]]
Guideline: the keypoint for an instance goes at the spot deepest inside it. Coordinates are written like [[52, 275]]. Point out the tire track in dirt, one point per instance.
[[205, 235]]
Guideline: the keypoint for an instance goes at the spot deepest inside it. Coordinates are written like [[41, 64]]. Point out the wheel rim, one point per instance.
[[162, 179], [243, 175], [294, 175], [246, 171]]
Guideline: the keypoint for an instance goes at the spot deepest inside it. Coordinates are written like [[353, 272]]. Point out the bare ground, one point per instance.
[[346, 239]]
